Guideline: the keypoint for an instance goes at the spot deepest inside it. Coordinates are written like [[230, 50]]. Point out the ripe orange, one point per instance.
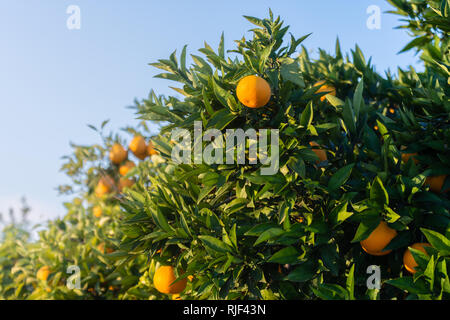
[[392, 110], [376, 128], [408, 259], [43, 273], [319, 152], [164, 278], [407, 156], [325, 88], [104, 249], [118, 154], [125, 183], [123, 170], [104, 186], [150, 150], [253, 91], [97, 211], [436, 183], [101, 247], [176, 297], [378, 240], [138, 147]]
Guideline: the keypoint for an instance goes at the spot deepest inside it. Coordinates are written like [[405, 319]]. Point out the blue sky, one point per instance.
[[55, 81]]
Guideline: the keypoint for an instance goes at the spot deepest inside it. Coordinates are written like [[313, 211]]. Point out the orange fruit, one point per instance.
[[378, 240], [104, 186], [391, 110], [101, 247], [376, 128], [150, 150], [407, 156], [123, 170], [436, 183], [43, 273], [325, 88], [125, 183], [408, 259], [253, 91], [164, 278], [97, 211], [118, 154], [104, 249], [176, 297], [138, 147], [319, 152]]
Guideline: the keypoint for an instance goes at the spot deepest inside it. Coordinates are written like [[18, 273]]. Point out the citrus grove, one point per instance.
[[364, 161]]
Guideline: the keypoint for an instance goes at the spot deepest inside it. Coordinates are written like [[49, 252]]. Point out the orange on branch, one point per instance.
[[125, 183], [408, 260], [321, 154], [118, 154], [253, 91], [436, 183], [378, 240], [127, 166], [325, 88], [138, 147], [43, 273], [164, 278], [407, 156], [97, 211], [150, 150], [104, 186]]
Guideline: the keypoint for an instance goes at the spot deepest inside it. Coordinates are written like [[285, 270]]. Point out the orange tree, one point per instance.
[[296, 234], [85, 239]]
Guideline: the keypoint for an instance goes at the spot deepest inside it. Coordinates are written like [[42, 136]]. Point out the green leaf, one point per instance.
[[350, 284], [378, 193], [259, 229], [408, 284], [269, 234], [220, 119], [358, 98], [307, 115], [335, 101], [330, 292], [285, 255], [304, 272], [365, 228], [161, 220], [339, 214], [215, 244], [290, 71], [340, 177], [437, 240], [349, 116]]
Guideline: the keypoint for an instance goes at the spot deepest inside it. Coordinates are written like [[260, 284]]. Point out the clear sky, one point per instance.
[[54, 81]]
